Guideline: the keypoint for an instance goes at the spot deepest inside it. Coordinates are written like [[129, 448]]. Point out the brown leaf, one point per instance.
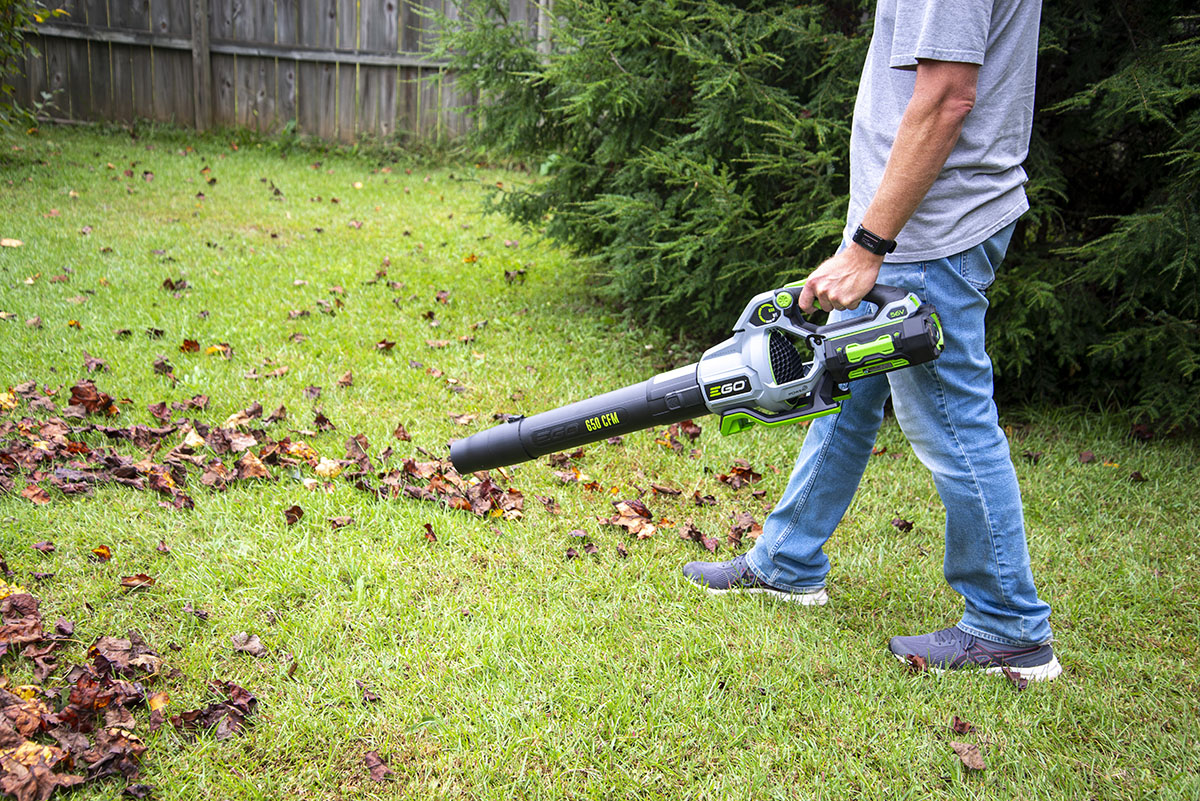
[[960, 726], [340, 522], [376, 767], [401, 433], [551, 505], [292, 515], [138, 581], [101, 553], [739, 475], [189, 346], [35, 494], [633, 516], [1087, 457], [969, 754], [429, 535], [44, 547], [92, 364], [346, 380], [248, 644], [250, 466], [1018, 681], [916, 663], [902, 524], [160, 411]]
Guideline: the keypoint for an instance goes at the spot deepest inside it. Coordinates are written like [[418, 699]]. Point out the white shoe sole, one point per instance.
[[1047, 672], [814, 598]]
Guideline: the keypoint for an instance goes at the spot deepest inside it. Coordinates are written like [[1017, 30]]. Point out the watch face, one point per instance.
[[873, 242]]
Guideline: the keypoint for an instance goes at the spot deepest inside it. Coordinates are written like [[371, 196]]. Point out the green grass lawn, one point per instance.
[[499, 667]]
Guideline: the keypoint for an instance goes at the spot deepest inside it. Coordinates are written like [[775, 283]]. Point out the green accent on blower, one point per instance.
[[736, 422], [878, 367], [941, 343], [880, 346]]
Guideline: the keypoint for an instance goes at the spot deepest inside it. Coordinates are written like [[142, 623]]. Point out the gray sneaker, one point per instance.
[[736, 576], [953, 648]]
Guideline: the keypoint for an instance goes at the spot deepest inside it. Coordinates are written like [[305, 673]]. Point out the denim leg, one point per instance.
[[835, 452], [946, 411]]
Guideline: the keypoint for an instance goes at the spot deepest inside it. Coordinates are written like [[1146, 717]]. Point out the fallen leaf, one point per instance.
[[960, 726], [248, 644], [1087, 457], [376, 767], [739, 475], [1018, 681], [7, 242], [138, 581], [35, 494], [969, 754], [101, 553], [429, 535], [902, 524], [292, 515]]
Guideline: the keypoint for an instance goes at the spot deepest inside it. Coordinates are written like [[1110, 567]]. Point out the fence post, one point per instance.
[[201, 65]]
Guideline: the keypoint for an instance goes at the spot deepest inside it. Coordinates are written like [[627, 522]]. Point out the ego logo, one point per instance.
[[894, 313], [725, 389]]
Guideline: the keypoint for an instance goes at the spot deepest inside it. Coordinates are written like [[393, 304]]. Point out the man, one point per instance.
[[941, 127]]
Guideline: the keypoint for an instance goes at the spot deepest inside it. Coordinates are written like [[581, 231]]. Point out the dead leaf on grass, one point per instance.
[[138, 581], [376, 767], [969, 754], [246, 643]]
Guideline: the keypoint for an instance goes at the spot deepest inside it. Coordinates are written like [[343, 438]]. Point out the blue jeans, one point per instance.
[[945, 409]]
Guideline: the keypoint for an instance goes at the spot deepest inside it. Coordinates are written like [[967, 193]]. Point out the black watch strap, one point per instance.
[[873, 242]]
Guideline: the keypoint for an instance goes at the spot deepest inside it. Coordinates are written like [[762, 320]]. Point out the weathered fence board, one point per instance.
[[334, 68]]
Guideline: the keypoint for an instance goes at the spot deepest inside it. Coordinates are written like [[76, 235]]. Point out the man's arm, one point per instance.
[[943, 95]]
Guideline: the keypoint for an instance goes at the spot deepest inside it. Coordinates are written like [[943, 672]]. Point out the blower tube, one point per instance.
[[667, 398]]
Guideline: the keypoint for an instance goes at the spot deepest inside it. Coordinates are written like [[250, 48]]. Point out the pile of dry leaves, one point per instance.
[[78, 726]]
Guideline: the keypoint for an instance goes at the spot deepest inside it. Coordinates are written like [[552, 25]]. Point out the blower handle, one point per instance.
[[880, 294]]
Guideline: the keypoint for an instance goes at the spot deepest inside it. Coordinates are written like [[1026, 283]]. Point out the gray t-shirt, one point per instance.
[[981, 188]]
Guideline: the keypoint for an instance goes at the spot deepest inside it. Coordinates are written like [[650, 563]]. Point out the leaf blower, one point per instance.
[[756, 377]]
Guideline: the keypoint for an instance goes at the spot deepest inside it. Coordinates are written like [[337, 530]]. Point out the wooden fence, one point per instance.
[[340, 68]]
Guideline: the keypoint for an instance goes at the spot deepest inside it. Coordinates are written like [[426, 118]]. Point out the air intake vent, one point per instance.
[[786, 362]]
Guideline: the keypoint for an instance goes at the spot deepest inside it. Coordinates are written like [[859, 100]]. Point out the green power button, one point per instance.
[[783, 299]]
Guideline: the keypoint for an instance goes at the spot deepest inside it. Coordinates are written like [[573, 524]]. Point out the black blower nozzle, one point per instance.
[[662, 400]]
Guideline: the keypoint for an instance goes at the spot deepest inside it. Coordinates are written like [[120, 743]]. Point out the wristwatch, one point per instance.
[[873, 242]]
